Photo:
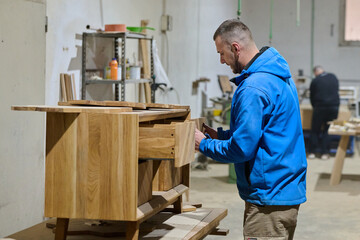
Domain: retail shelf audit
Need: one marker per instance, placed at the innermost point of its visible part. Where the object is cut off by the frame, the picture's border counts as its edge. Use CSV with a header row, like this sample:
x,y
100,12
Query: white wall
x,y
22,76
68,20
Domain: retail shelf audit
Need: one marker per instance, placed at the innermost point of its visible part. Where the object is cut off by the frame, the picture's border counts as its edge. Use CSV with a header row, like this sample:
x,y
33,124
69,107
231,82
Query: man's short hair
x,y
318,68
232,30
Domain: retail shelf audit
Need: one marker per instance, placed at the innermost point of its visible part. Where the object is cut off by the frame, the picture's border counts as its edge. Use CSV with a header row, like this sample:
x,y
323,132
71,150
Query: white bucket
x,y
134,72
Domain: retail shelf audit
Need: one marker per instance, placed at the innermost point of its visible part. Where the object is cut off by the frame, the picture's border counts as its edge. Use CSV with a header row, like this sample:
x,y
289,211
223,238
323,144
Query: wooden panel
x,y
134,105
145,177
184,143
166,106
71,109
166,176
152,115
91,166
199,122
168,141
156,143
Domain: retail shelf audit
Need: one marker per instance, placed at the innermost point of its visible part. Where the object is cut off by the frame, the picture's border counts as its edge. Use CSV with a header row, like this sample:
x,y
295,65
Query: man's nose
x,y
222,61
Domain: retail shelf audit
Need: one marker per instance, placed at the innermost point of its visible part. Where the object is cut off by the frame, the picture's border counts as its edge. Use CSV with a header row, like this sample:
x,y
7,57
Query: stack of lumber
x,y
67,86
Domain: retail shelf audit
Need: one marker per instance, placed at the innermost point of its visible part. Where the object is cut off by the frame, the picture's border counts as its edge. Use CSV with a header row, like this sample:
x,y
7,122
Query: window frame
x,y
342,41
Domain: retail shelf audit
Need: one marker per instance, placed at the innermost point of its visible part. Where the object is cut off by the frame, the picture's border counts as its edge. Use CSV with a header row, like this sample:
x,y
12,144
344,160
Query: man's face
x,y
228,55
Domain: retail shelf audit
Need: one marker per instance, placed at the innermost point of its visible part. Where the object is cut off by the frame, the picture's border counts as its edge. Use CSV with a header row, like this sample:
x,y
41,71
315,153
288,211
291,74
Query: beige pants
x,y
269,222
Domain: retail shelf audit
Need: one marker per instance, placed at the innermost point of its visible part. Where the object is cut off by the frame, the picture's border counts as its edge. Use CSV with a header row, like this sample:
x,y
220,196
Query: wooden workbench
x,y
340,152
115,161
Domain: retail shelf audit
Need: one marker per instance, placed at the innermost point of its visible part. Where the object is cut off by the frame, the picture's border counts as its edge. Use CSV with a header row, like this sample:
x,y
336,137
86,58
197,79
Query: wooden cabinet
x,y
106,162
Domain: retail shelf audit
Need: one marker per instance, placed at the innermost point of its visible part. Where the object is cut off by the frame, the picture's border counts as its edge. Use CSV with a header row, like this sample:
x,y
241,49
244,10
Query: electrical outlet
x,y
166,23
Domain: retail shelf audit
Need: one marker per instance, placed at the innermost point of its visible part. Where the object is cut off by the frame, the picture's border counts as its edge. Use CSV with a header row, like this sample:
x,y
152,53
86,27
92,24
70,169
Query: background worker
x,y
324,98
265,140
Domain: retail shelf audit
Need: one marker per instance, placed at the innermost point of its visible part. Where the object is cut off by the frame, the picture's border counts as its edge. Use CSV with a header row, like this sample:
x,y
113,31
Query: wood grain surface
x,y
145,177
166,176
168,141
134,105
91,166
71,109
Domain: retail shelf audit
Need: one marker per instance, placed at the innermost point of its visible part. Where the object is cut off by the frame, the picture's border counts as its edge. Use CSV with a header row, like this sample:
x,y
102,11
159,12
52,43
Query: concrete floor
x,y
330,213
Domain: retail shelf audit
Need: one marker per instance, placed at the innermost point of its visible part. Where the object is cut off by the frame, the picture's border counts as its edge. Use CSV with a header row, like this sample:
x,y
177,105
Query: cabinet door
x,y
22,70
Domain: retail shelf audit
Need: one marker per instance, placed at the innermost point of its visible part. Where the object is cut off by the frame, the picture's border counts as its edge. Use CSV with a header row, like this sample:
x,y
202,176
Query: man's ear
x,y
235,47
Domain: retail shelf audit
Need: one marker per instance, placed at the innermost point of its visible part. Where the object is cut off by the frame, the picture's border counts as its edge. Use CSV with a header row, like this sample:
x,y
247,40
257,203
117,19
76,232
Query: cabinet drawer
x,y
168,141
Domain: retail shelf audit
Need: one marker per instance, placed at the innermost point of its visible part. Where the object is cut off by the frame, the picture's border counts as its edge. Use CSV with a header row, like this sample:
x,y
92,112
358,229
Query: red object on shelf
x,y
115,28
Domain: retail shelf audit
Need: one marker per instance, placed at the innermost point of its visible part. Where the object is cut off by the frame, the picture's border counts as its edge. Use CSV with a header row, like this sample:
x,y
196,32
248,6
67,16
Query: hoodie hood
x,y
270,61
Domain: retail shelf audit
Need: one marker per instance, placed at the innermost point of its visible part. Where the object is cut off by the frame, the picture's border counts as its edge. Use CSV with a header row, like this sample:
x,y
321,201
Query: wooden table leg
x,y
132,230
339,160
178,205
61,228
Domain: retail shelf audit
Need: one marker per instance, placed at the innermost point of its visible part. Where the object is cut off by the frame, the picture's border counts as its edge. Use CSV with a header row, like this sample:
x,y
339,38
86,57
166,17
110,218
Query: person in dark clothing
x,y
324,98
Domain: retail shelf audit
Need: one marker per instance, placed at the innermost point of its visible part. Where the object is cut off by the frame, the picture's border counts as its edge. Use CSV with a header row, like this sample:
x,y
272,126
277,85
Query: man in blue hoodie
x,y
265,140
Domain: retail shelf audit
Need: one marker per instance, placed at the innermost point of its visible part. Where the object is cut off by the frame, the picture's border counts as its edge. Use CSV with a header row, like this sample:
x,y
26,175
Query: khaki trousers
x,y
269,222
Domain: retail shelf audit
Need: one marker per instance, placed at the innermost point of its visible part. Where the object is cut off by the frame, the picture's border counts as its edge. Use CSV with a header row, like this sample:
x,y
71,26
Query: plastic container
x,y
107,73
134,72
114,69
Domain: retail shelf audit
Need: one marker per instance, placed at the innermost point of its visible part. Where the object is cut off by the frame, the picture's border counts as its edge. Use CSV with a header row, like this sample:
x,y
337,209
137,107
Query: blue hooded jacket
x,y
265,141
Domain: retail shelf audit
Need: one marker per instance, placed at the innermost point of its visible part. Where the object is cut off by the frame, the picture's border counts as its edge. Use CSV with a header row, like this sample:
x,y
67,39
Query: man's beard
x,y
237,68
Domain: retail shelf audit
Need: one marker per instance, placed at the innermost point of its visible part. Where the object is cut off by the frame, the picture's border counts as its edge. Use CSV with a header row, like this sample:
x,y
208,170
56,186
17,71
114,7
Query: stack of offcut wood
x,y
351,126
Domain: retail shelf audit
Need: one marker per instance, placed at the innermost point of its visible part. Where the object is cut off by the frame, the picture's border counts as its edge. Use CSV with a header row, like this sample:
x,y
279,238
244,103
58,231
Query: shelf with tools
x,y
119,45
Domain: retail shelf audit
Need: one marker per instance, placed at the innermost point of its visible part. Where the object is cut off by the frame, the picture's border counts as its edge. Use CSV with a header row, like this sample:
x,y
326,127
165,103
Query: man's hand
x,y
198,137
212,132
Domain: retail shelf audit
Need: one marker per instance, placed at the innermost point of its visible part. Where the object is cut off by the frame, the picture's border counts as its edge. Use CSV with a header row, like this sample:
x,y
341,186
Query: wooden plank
x,y
207,224
145,116
184,143
68,87
63,89
144,52
70,109
339,160
91,166
166,106
73,85
134,105
159,202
